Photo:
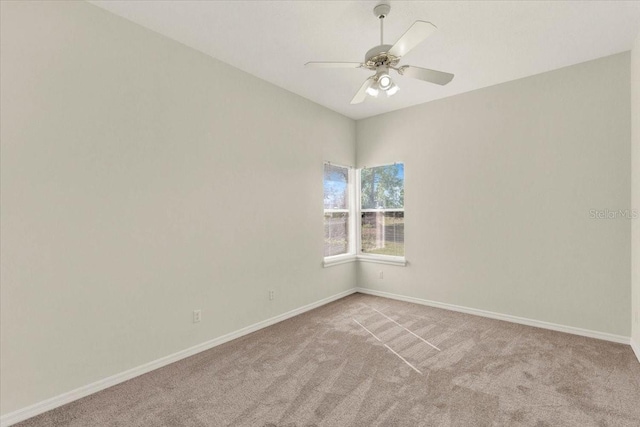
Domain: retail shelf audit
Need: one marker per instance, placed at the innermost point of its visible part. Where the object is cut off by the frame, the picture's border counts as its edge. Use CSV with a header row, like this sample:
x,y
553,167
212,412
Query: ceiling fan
x,y
386,57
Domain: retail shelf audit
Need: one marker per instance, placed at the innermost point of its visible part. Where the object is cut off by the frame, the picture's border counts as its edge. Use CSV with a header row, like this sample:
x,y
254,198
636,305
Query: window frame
x,y
367,257
350,255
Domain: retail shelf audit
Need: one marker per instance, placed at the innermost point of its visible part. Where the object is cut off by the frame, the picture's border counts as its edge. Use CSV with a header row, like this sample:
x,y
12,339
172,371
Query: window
x,y
382,210
336,210
380,233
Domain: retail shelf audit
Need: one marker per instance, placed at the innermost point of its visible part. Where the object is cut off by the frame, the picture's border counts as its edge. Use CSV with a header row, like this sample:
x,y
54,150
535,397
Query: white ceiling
x,y
482,43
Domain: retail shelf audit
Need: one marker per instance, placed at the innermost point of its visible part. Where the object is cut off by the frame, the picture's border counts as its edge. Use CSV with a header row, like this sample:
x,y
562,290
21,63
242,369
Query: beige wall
x,y
142,180
635,191
499,187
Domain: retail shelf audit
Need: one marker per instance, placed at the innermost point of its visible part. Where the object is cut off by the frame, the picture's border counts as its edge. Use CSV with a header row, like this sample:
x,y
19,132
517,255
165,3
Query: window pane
x,y
336,233
382,187
336,187
383,233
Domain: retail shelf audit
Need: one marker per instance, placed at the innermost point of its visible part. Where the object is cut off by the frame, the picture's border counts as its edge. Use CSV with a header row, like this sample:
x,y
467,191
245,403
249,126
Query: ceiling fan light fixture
x,y
385,82
372,91
393,89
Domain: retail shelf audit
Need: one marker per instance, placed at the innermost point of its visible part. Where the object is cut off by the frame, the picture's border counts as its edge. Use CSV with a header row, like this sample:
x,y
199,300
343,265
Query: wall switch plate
x,y
272,295
197,316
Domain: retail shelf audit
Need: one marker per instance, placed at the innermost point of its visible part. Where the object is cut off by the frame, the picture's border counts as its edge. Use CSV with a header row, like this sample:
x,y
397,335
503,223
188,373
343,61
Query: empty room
x,y
319,213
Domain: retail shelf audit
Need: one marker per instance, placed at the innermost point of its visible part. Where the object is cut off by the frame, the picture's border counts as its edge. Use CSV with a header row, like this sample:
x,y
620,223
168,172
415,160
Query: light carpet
x,y
370,361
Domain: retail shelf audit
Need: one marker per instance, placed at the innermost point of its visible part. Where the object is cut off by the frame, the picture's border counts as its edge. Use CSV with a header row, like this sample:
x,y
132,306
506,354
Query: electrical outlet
x,y
381,275
272,295
197,316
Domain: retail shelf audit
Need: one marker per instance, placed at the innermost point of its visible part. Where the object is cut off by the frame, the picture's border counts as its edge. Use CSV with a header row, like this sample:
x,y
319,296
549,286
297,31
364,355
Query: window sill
x,y
344,259
338,259
389,260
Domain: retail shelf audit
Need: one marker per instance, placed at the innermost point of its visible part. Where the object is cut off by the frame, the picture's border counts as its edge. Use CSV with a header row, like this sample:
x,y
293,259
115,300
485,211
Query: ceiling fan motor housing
x,y
378,56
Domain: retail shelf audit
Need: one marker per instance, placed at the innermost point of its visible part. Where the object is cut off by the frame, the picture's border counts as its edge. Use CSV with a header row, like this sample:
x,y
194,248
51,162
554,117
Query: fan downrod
x,y
378,56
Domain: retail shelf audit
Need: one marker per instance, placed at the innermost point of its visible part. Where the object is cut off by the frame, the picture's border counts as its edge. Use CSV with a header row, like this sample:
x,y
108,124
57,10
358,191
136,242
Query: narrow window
x,y
382,210
336,210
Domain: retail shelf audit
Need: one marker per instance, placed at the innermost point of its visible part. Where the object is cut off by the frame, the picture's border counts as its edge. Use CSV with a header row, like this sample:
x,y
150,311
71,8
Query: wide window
x,y
382,210
336,210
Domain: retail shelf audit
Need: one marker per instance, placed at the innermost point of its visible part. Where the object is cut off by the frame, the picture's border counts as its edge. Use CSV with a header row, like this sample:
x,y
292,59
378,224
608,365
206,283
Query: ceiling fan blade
x,y
431,76
362,92
415,35
333,64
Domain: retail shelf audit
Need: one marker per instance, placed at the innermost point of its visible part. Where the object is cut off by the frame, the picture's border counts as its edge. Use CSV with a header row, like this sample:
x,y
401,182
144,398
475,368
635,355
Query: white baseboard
x,y
506,317
62,399
636,348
